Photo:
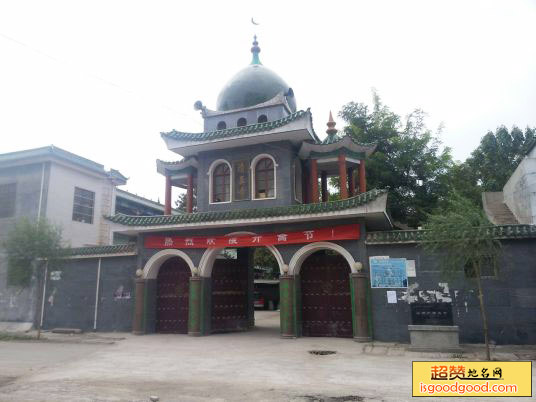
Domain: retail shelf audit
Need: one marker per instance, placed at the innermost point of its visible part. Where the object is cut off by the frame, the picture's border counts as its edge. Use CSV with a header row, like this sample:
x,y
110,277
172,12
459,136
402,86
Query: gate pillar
x,y
199,306
290,306
139,307
358,286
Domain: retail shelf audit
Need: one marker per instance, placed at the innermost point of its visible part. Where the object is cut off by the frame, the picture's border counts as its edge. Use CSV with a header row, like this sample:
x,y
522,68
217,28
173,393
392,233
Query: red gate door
x,y
326,300
229,296
172,286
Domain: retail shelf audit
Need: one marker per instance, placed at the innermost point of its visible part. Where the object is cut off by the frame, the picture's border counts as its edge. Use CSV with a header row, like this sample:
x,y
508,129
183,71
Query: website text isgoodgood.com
x,y
456,387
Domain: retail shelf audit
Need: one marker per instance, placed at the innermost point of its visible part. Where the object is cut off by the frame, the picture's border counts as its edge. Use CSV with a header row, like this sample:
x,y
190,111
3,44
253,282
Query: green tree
x,y
180,203
459,234
464,181
498,155
409,160
28,243
264,259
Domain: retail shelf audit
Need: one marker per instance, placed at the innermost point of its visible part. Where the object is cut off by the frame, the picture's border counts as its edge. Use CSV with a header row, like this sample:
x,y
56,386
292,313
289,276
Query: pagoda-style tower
x,y
255,171
256,112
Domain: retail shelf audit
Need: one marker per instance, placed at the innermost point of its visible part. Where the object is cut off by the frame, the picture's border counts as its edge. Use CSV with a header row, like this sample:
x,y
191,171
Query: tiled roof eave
x,y
104,251
236,131
352,213
300,211
163,167
345,143
500,232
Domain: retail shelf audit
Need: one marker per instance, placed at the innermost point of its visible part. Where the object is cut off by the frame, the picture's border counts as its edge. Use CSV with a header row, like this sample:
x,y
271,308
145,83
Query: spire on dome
x,y
331,126
255,50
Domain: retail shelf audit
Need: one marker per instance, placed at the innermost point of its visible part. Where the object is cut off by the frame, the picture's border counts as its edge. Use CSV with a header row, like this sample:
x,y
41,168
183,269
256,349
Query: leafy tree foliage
x,y
498,155
409,160
26,243
180,203
458,234
264,259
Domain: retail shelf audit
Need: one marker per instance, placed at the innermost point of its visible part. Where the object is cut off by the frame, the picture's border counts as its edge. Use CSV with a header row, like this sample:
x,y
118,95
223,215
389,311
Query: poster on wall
x,y
388,272
410,268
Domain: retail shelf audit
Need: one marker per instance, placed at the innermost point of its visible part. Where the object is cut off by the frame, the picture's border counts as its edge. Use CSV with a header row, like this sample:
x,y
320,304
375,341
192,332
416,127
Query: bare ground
x,y
249,366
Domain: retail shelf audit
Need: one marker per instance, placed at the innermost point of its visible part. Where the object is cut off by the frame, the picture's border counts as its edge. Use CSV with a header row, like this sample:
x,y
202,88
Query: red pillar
x,y
324,181
314,181
167,204
351,182
362,177
190,194
342,176
305,186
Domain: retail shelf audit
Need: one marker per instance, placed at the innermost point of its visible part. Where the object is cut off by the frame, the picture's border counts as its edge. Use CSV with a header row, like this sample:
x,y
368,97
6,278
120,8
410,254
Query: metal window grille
x,y
83,206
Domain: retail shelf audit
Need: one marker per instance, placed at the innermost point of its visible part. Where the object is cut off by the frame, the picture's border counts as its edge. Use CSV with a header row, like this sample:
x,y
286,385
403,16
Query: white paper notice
x,y
410,268
391,296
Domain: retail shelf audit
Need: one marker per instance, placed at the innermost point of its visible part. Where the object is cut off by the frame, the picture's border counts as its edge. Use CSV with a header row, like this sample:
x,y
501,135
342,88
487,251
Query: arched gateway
x,y
172,290
281,204
326,295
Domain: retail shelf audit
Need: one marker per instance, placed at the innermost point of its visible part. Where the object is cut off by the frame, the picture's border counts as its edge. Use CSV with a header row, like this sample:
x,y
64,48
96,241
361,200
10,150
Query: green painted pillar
x,y
195,308
199,306
245,259
360,319
288,292
139,304
149,306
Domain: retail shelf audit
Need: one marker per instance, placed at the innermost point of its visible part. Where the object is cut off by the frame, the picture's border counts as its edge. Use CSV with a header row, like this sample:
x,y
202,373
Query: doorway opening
x,y
266,290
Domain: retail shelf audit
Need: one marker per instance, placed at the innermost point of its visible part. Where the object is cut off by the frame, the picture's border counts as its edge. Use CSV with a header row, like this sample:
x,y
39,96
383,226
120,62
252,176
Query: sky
x,y
102,79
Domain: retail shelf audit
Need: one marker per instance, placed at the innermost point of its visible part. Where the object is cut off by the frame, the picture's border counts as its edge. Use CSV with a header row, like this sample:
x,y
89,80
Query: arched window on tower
x,y
262,119
264,171
241,122
221,125
221,183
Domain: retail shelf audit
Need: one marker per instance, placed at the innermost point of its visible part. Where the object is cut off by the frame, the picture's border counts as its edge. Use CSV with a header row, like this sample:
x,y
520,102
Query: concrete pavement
x,y
255,365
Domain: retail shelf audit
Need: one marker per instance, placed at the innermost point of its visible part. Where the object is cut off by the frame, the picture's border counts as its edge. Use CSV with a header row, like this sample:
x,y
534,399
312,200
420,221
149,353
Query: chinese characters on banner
x,y
343,232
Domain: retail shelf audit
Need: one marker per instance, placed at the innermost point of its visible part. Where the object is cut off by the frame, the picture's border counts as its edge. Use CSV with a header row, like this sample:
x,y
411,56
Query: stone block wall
x,y
510,297
71,292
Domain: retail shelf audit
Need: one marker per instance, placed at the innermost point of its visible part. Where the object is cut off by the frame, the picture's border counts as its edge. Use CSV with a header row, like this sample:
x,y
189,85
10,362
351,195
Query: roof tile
x,y
298,209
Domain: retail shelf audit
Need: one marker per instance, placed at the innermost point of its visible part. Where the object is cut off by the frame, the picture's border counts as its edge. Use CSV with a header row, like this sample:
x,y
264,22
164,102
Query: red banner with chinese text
x,y
343,232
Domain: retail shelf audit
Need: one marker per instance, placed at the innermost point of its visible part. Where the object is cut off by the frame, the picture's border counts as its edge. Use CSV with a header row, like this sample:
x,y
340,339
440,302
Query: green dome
x,y
253,85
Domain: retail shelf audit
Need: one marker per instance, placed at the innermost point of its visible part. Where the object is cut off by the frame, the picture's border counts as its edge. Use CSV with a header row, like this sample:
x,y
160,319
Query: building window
x,y
262,118
221,183
83,206
241,180
487,270
8,193
222,125
264,178
241,122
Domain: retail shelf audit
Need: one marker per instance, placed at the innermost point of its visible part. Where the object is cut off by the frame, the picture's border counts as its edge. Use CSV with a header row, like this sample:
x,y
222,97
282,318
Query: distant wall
x,y
520,190
63,180
510,298
71,293
16,304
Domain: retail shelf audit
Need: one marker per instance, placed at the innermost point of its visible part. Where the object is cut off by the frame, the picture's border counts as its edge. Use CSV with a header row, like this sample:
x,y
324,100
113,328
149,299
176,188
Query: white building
x,y
517,202
68,190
